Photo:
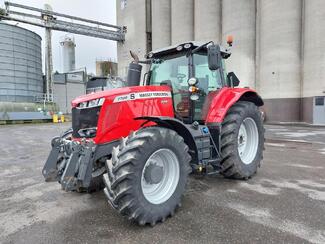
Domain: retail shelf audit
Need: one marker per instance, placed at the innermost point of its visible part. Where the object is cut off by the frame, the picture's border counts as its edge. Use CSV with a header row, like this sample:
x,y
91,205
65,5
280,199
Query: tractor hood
x,y
142,90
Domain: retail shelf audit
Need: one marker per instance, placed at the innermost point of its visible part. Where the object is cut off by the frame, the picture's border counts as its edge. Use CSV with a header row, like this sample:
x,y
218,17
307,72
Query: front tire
x,y
242,141
147,175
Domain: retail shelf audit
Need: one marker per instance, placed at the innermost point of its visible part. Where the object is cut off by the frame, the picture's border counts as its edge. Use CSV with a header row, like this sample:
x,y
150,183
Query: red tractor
x,y
141,142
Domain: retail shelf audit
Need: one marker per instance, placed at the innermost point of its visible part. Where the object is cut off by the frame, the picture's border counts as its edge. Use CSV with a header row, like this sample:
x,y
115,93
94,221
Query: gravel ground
x,y
283,203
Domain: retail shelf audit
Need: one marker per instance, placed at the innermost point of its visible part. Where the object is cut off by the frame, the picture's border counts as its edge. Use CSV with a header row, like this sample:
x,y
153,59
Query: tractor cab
x,y
194,71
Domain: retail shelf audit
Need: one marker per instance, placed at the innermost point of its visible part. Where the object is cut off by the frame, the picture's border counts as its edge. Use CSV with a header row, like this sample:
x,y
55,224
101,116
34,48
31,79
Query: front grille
x,y
84,118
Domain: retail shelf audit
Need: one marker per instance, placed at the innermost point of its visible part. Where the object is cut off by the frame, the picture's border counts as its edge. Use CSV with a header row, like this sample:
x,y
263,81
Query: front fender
x,y
177,126
227,97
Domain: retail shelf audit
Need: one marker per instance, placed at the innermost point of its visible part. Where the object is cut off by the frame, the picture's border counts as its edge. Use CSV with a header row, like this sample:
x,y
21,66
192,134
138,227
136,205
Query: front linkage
x,y
70,163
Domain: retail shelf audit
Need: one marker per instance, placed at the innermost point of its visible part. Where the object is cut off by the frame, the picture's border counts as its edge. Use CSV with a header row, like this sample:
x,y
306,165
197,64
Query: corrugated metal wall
x,y
20,64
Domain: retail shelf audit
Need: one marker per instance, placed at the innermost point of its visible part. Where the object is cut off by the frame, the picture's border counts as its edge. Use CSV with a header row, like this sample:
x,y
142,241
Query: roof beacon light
x,y
230,40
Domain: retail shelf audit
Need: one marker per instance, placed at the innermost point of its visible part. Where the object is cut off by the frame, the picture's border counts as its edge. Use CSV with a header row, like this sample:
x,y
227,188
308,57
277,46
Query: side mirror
x,y
232,79
214,57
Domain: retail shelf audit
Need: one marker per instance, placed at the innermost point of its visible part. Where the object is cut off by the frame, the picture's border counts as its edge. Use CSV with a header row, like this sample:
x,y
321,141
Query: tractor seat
x,y
167,83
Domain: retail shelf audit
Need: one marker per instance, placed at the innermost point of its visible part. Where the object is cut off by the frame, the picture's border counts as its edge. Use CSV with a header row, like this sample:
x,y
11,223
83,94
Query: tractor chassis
x,y
203,141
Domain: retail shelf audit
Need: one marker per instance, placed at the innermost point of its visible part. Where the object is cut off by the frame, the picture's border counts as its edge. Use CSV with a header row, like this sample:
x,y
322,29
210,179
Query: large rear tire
x,y
147,175
242,141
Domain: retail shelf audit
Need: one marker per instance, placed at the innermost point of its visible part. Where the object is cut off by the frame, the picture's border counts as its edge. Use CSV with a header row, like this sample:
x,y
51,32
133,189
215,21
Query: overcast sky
x,y
88,49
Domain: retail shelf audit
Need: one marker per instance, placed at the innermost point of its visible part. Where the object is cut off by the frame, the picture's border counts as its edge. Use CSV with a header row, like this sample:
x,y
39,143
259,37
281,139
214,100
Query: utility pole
x,y
48,57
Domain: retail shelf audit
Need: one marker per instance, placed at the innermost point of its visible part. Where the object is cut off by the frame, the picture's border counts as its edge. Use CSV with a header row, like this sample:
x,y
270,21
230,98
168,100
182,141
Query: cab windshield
x,y
175,70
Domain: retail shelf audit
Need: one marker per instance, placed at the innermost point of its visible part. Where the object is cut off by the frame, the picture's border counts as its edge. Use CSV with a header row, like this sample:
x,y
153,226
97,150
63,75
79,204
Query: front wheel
x,y
147,175
242,141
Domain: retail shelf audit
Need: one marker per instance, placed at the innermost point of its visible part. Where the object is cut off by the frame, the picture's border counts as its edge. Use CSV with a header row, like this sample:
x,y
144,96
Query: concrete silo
x,y
238,20
136,16
207,20
68,54
280,58
20,64
314,62
161,23
182,16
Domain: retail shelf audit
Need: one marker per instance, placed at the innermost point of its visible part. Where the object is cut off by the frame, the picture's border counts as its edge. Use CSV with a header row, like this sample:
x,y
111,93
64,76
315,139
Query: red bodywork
x,y
116,118
218,103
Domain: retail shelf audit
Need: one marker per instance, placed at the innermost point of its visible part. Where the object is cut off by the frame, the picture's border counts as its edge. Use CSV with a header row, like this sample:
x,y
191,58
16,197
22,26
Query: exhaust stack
x,y
134,71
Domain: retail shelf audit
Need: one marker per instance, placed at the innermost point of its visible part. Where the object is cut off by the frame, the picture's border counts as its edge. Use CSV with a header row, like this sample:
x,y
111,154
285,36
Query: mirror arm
x,y
200,47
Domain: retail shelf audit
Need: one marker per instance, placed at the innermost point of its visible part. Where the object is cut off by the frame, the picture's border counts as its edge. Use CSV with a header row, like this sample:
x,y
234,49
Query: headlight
x,y
187,45
83,105
192,81
101,101
92,103
194,97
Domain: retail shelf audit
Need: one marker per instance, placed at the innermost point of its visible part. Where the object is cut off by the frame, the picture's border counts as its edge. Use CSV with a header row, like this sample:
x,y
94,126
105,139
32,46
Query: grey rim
x,y
165,184
247,141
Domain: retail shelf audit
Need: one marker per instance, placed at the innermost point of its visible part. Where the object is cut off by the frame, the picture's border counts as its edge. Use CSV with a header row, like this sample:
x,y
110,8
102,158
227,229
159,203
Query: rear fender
x,y
227,97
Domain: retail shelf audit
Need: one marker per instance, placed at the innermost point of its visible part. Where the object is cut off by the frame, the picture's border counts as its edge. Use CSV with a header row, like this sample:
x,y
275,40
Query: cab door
x,y
208,83
319,110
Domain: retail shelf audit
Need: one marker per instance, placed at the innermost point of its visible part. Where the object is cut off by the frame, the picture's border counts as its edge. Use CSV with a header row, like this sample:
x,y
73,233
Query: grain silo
x,y
161,24
20,64
277,49
280,58
132,14
68,54
238,20
207,20
182,16
314,62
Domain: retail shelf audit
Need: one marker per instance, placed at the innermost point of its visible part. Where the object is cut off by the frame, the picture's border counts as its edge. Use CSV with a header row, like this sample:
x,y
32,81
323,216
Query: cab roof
x,y
173,48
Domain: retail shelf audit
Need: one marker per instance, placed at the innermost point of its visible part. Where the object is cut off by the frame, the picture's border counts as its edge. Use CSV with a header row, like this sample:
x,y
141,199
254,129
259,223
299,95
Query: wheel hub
x,y
160,176
153,174
247,141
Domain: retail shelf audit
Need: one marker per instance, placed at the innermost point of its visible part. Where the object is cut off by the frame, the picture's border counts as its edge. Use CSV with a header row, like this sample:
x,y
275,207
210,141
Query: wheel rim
x,y
160,192
247,141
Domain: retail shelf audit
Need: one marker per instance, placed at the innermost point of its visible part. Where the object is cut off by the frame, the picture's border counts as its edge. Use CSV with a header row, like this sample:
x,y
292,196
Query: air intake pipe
x,y
134,71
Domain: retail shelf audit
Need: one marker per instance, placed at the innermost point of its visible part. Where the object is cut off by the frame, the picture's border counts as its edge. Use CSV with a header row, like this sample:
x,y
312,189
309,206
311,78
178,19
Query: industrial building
x,y
278,45
66,87
106,68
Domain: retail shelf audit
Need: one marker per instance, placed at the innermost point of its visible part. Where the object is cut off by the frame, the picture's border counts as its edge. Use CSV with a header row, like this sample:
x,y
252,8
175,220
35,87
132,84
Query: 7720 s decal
x,y
141,95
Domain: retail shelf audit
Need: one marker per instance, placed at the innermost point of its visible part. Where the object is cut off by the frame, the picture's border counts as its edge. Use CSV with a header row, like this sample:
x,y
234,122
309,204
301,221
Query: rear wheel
x,y
242,141
147,175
